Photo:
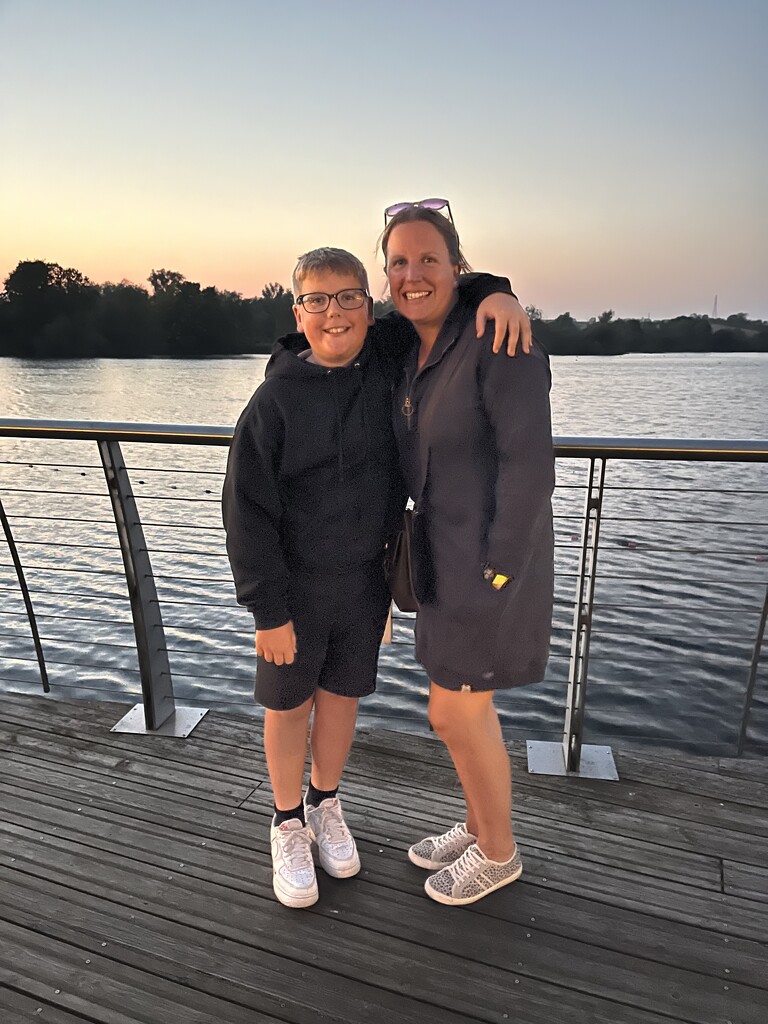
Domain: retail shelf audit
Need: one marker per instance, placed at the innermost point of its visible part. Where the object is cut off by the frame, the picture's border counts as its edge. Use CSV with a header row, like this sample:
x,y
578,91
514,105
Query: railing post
x,y
27,599
159,713
582,618
752,678
573,757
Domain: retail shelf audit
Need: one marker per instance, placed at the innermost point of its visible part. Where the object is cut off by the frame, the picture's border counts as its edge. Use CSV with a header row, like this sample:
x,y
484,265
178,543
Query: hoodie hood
x,y
286,359
343,386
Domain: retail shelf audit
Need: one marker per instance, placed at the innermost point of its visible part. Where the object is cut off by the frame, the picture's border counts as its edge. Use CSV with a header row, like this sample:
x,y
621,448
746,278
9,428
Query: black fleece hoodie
x,y
312,483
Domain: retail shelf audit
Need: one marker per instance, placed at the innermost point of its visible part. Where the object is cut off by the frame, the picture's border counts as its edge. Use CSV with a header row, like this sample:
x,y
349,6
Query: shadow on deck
x,y
135,885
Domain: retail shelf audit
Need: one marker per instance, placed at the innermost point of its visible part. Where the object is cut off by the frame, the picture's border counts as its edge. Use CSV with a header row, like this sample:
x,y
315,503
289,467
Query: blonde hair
x,y
339,261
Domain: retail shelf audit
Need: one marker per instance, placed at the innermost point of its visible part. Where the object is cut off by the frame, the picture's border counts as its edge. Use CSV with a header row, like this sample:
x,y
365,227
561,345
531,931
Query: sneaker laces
x,y
333,825
458,831
468,864
296,847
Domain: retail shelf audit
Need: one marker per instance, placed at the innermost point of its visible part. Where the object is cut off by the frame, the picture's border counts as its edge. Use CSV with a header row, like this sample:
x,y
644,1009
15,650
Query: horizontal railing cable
x,y
64,544
72,618
90,666
685,522
79,571
633,488
91,643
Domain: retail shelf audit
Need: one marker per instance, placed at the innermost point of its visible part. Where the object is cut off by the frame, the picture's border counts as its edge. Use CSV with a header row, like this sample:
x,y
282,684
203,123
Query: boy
x,y
312,493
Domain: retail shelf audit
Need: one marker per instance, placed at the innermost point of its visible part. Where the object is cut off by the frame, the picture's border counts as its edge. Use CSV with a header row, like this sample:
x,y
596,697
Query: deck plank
x,y
19,1008
692,780
642,902
746,880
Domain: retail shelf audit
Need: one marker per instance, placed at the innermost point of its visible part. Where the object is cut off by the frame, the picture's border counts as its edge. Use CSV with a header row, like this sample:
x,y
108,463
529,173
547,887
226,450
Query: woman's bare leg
x,y
469,726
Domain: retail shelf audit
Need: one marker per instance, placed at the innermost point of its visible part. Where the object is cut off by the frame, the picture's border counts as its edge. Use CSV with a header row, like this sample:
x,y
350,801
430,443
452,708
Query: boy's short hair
x,y
338,261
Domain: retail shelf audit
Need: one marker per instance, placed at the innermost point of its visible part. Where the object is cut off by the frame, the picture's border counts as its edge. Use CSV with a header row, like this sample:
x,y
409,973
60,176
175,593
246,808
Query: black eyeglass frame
x,y
423,204
362,292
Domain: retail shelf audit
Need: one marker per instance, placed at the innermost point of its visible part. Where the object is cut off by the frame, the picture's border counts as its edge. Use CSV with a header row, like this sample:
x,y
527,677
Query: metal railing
x,y
159,712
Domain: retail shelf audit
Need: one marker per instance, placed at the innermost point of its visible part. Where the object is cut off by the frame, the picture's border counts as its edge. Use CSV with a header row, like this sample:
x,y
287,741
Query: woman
x,y
475,443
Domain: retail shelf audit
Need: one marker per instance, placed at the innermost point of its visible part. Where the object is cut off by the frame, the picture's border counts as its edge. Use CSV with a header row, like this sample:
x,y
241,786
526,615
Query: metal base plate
x,y
547,759
180,724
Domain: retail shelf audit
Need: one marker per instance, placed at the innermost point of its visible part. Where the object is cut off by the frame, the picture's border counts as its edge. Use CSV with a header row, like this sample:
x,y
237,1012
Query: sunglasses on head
x,y
424,204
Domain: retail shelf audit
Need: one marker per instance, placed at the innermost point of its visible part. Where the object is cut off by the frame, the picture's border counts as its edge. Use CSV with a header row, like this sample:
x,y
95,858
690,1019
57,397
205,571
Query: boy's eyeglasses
x,y
424,204
318,302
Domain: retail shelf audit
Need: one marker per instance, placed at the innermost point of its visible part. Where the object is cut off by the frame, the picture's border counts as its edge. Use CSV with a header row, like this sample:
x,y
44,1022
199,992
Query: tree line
x,y
607,335
51,312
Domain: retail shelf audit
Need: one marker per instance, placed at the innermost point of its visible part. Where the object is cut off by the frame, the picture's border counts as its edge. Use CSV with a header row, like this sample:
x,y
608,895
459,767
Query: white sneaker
x,y
471,877
335,845
437,852
293,870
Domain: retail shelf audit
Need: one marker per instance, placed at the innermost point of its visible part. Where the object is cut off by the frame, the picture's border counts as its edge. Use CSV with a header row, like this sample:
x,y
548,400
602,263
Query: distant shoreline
x,y
49,312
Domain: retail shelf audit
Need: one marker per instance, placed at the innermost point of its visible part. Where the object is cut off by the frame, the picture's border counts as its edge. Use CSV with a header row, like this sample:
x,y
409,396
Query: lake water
x,y
683,561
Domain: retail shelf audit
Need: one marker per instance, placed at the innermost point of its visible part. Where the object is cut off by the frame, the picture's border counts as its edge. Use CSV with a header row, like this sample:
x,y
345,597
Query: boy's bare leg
x,y
285,748
333,727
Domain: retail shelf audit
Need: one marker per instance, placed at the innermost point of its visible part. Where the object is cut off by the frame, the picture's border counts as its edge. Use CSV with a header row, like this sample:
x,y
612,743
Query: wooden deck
x,y
136,886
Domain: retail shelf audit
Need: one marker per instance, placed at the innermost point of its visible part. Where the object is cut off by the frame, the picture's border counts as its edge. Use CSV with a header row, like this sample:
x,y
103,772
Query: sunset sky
x,y
601,153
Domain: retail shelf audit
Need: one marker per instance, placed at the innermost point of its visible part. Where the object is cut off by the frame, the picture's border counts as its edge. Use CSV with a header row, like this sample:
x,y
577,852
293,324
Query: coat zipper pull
x,y
407,411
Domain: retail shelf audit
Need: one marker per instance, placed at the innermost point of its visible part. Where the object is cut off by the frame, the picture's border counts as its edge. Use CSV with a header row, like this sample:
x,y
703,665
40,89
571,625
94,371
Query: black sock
x,y
316,796
297,812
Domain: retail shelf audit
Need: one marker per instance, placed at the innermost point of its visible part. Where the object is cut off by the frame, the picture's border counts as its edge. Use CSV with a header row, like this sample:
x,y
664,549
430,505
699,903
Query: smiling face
x,y
422,279
337,335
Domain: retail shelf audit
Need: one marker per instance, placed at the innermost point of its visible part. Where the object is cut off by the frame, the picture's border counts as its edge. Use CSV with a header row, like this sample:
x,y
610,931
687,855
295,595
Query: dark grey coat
x,y
478,460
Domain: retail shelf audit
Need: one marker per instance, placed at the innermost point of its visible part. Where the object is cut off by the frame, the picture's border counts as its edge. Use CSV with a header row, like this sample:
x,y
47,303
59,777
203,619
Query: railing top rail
x,y
93,430
686,448
664,448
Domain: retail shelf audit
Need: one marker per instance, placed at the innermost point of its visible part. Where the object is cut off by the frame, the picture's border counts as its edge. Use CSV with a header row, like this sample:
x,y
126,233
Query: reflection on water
x,y
682,560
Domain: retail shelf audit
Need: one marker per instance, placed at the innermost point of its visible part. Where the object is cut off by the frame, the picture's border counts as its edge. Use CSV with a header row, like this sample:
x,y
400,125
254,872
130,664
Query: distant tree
x,y
28,281
34,281
71,281
47,309
273,314
601,337
684,334
165,281
738,320
630,335
565,322
561,336
274,292
605,317
194,321
126,320
534,313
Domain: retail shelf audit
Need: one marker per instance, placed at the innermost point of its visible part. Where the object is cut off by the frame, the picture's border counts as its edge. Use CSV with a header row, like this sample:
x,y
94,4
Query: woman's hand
x,y
277,645
511,320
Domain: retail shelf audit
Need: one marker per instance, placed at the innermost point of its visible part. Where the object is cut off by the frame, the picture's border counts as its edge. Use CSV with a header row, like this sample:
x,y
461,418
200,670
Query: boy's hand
x,y
277,645
511,322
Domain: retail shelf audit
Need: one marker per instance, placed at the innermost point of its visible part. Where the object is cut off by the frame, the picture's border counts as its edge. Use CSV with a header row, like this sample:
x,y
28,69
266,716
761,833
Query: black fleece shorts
x,y
339,622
